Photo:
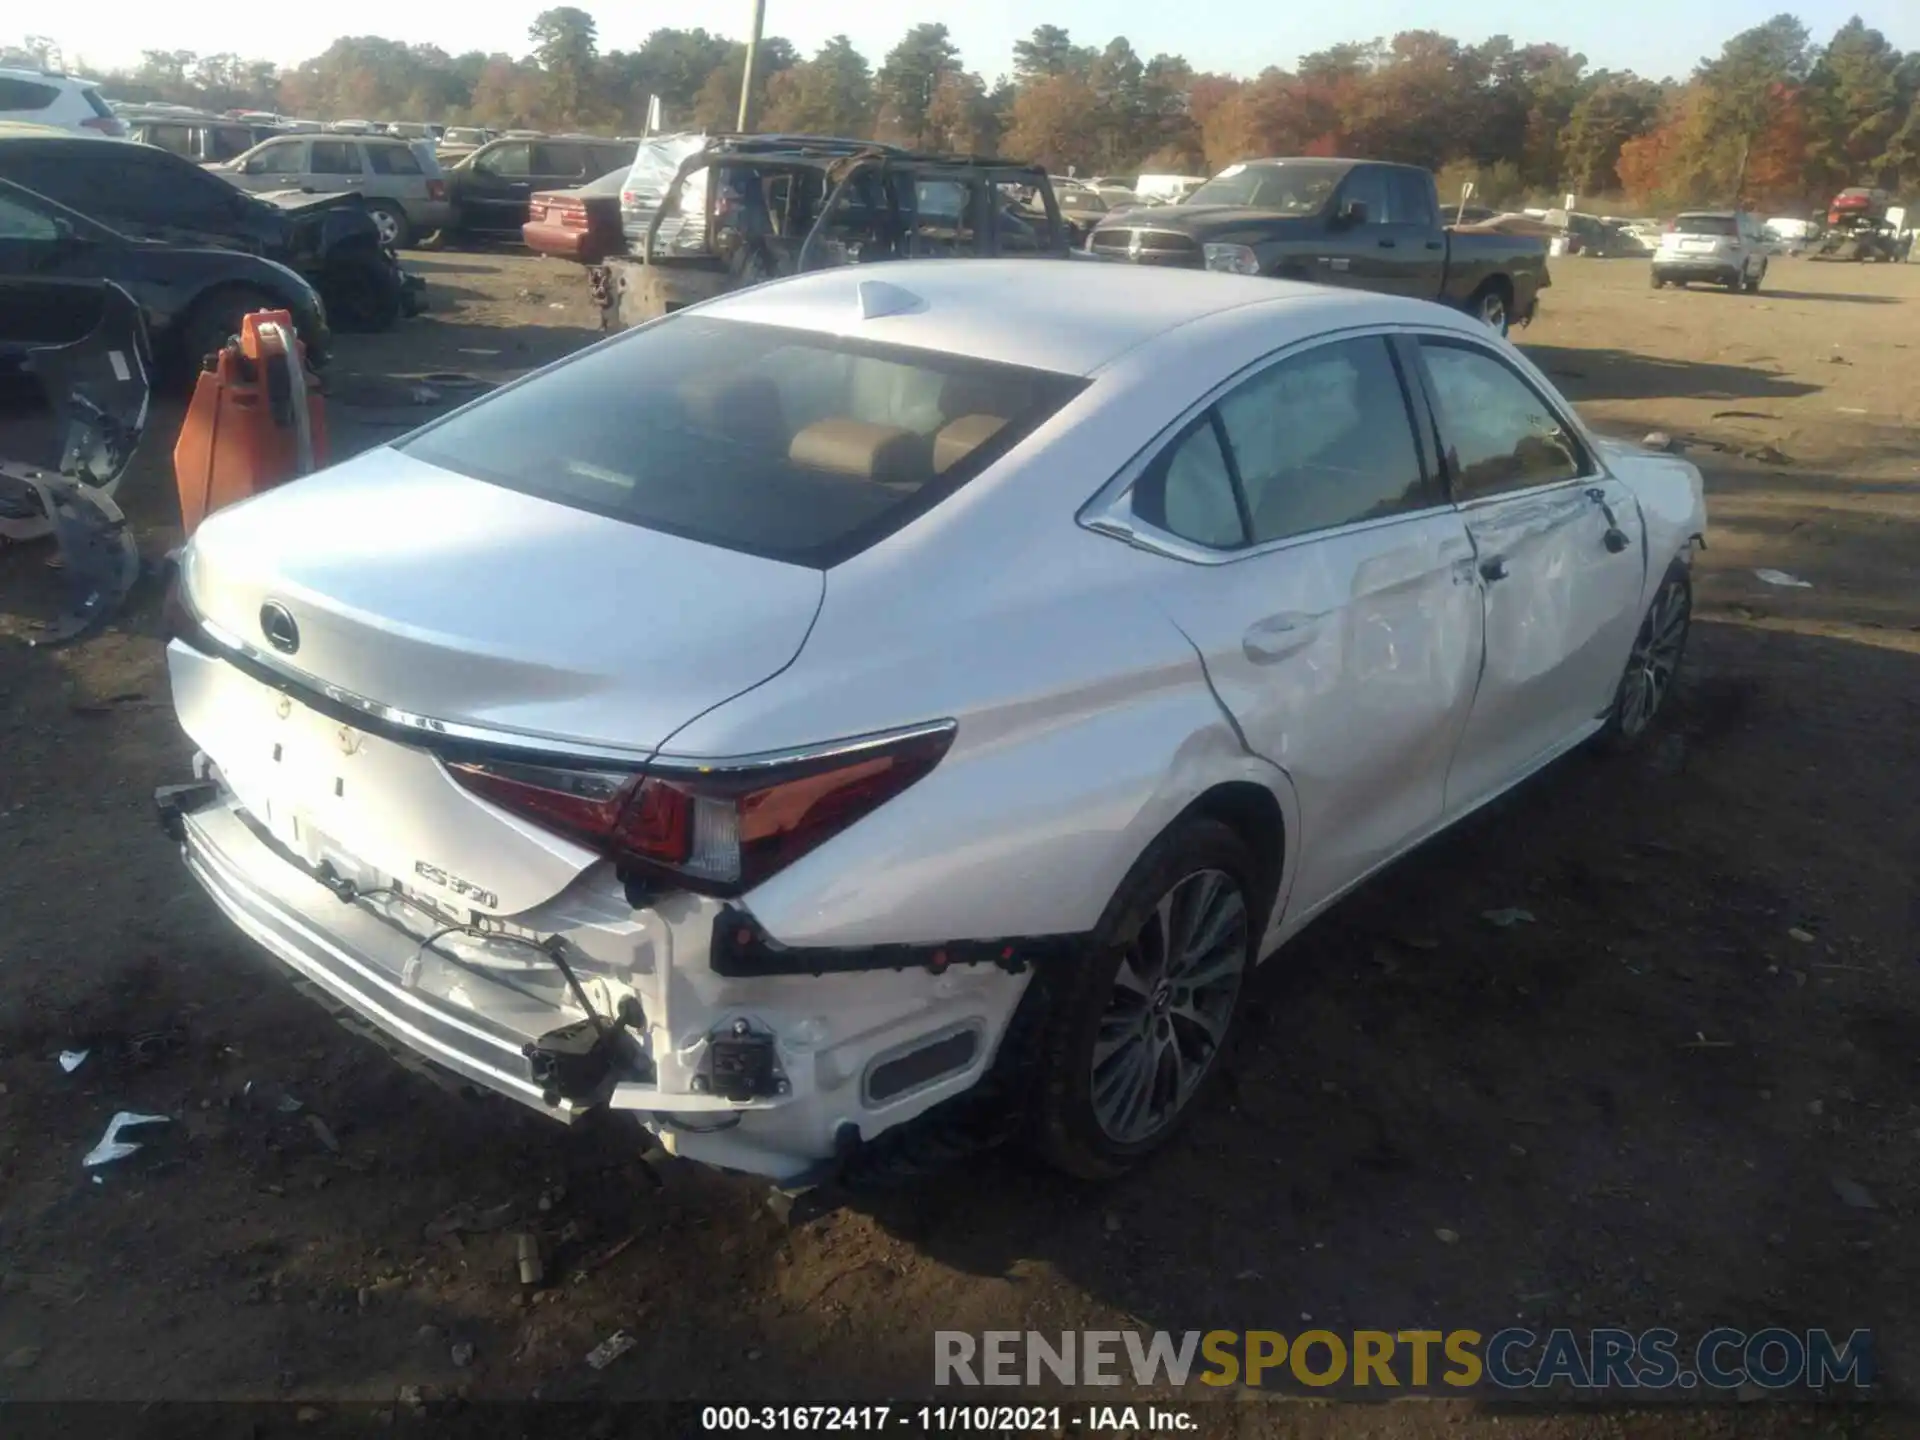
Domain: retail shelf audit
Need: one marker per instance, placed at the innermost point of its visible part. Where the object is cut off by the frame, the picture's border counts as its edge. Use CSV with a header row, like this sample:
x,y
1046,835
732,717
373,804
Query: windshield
x,y
787,444
1705,225
1290,189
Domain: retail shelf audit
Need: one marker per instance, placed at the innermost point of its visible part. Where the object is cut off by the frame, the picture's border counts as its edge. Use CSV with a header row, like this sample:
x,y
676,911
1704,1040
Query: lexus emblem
x,y
276,623
1133,246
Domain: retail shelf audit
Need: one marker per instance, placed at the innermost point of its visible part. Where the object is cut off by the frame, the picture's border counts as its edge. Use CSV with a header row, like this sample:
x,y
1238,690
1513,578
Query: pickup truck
x,y
1363,223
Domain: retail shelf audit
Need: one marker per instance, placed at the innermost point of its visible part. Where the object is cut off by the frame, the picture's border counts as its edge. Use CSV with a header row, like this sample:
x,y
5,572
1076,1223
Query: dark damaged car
x,y
151,194
743,209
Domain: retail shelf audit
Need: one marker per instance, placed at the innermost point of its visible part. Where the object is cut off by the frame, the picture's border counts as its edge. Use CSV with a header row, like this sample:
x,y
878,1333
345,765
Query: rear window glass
x,y
1704,225
782,443
392,160
1291,188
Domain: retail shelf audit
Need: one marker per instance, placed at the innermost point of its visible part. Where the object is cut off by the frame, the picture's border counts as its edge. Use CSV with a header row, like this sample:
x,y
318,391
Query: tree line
x,y
1774,120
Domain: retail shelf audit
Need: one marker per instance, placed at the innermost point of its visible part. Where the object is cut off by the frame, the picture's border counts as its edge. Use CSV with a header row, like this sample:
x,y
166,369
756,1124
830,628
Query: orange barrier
x,y
243,431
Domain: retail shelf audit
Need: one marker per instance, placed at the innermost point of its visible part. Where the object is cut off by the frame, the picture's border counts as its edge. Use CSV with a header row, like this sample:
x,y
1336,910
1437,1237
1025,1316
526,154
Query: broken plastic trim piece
x,y
99,561
741,950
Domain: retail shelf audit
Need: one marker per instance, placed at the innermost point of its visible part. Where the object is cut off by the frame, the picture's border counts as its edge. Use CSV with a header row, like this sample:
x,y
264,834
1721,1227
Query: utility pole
x,y
746,79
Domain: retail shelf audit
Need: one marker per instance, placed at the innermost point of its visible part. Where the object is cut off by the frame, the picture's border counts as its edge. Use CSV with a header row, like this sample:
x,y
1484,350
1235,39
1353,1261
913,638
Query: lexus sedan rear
x,y
852,704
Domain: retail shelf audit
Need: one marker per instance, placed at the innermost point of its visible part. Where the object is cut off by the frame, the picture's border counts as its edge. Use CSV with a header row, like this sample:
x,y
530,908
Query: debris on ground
x,y
526,1252
462,1354
1507,918
265,1095
323,1133
611,1349
72,1060
1446,1236
1805,937
25,1358
423,394
466,1218
1853,1194
111,1146
1659,440
1783,579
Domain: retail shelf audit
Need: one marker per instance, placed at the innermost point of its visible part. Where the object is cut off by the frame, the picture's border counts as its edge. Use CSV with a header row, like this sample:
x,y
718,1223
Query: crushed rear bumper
x,y
842,1056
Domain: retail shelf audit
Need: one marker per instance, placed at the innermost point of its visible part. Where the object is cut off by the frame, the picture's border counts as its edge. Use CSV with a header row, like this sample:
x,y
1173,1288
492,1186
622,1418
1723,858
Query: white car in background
x,y
1720,247
853,695
45,97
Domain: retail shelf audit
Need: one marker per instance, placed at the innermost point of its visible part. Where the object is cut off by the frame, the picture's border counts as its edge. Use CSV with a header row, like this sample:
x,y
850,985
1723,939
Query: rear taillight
x,y
721,830
436,189
105,124
573,217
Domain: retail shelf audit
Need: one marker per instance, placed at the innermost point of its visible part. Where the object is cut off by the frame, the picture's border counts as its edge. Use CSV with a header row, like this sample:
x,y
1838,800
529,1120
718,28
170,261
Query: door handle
x,y
1388,244
1277,637
1494,568
1434,245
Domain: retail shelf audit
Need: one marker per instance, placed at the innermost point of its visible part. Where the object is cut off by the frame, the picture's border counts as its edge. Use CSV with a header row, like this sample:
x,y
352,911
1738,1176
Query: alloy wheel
x,y
1493,311
1172,1000
1655,658
387,225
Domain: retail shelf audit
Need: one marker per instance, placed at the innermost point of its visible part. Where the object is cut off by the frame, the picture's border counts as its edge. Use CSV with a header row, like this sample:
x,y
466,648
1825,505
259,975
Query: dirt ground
x,y
1684,1095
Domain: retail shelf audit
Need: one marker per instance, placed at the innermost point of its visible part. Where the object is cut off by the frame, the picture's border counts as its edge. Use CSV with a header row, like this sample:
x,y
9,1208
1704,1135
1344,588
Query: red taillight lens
x,y
436,189
573,217
720,830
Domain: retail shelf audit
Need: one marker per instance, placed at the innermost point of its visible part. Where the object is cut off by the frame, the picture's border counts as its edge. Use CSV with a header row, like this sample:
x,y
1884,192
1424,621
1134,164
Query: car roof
x,y
1710,214
1069,316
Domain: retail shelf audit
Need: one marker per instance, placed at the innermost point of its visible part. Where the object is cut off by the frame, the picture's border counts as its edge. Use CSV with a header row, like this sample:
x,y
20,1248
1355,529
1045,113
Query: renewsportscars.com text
x,y
1444,1360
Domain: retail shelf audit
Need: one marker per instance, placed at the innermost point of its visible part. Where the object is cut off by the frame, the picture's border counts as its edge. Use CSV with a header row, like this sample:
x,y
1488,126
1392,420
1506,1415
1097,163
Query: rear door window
x,y
176,139
511,161
336,157
560,161
787,444
1412,200
283,157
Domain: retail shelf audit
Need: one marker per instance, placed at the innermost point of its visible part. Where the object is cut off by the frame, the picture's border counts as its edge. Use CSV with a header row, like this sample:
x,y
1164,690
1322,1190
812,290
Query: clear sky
x,y
1654,37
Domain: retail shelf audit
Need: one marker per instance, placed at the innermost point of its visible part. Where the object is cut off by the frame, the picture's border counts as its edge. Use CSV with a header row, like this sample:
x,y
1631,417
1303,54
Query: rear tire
x,y
1658,283
1489,305
1135,1031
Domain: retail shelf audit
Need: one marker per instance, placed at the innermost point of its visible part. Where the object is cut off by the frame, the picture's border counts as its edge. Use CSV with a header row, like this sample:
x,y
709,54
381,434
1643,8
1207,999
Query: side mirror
x,y
1353,212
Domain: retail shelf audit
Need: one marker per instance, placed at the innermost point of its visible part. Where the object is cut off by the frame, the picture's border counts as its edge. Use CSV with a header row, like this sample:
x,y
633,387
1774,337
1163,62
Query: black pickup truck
x,y
1361,223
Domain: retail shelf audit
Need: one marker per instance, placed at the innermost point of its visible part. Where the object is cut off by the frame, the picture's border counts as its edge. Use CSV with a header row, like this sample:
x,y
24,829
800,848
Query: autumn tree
x,y
717,106
1854,106
1052,122
831,94
1047,52
910,81
1615,109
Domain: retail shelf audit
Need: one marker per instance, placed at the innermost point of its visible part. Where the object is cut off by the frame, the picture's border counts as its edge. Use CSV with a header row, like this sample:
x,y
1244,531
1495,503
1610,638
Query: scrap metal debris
x,y
72,1060
611,1349
1783,579
111,1146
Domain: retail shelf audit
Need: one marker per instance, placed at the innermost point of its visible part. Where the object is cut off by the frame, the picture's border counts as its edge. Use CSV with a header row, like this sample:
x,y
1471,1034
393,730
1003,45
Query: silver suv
x,y
405,189
1723,247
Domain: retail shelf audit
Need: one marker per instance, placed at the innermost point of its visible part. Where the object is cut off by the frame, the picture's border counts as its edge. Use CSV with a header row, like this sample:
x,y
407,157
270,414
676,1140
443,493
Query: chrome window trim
x,y
1110,511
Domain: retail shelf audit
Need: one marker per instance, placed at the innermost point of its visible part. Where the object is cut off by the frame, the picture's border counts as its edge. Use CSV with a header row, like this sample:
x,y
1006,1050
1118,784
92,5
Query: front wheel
x,y
1653,663
1135,1033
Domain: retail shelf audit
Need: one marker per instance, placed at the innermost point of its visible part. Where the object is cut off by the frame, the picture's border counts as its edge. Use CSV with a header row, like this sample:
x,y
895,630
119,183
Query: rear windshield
x,y
786,444
1292,189
95,103
1705,225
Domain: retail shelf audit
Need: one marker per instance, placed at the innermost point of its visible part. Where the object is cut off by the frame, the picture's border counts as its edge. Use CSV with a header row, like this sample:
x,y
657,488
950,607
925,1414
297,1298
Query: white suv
x,y
1725,247
45,97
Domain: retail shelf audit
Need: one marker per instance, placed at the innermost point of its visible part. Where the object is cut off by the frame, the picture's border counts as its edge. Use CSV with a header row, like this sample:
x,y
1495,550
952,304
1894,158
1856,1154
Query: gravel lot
x,y
1685,1094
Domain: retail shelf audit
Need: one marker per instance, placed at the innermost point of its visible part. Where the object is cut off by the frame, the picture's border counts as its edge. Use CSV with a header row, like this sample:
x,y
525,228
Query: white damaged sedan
x,y
856,700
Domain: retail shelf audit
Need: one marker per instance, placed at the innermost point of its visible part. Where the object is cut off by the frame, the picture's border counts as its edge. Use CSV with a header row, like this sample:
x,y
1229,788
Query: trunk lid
x,y
466,602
